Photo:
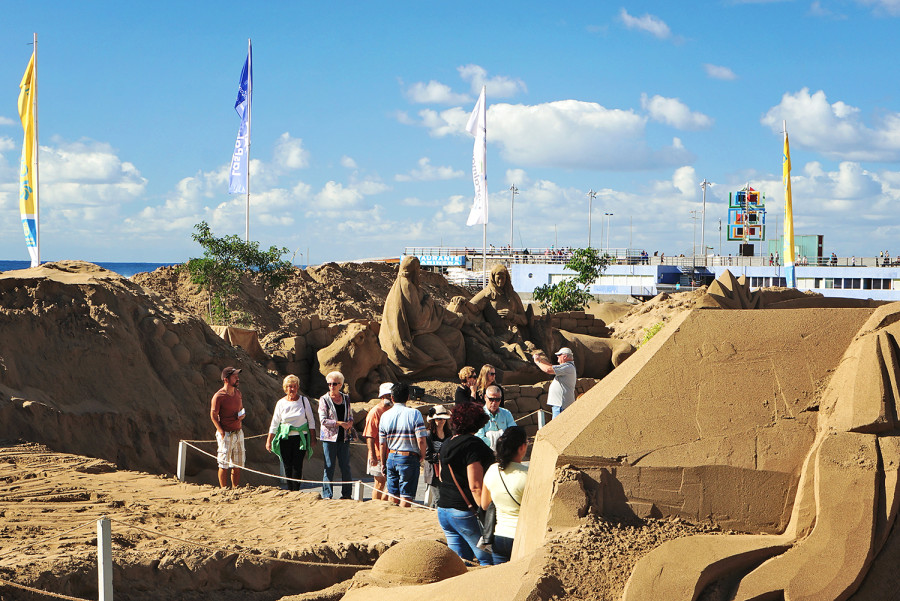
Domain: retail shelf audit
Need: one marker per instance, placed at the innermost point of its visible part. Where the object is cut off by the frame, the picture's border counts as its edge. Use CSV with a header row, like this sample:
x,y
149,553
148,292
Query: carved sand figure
x,y
421,337
840,542
500,303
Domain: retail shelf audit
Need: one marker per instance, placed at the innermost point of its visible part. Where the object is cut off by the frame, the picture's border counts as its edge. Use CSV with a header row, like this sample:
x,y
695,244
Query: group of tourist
x,y
470,456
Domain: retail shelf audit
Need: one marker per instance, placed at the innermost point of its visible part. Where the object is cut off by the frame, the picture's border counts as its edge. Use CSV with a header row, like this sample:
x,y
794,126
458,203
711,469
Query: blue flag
x,y
240,160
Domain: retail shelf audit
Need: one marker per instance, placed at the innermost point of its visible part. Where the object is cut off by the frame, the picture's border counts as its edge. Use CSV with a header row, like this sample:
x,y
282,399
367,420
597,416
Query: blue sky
x,y
359,146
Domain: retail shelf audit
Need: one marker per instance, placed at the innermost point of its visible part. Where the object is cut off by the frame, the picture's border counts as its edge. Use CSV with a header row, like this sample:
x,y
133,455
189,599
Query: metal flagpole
x,y
704,184
249,125
37,152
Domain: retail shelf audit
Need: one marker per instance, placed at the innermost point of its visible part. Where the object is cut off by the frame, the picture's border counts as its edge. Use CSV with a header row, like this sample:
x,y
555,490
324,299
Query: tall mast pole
x,y
512,203
249,125
591,196
37,196
704,184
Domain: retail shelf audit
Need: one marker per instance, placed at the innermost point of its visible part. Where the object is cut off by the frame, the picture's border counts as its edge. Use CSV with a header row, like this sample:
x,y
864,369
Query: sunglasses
x,y
492,373
334,384
494,399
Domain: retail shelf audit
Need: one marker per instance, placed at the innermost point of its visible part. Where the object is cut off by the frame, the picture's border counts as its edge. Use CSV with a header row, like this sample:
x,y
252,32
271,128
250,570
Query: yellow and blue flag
x,y
790,276
27,189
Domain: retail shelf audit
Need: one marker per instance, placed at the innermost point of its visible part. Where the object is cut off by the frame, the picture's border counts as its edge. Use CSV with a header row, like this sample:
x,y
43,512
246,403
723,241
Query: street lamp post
x,y
512,203
591,196
694,243
704,184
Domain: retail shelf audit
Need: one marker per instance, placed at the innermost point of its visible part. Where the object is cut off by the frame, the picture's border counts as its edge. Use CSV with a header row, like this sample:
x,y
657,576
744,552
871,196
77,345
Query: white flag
x,y
477,126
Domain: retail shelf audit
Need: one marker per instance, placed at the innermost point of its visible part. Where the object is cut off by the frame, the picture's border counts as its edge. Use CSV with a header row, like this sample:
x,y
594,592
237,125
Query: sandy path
x,y
44,494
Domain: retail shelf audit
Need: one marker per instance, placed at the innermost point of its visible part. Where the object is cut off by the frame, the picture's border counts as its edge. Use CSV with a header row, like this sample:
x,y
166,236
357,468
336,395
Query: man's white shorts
x,y
230,451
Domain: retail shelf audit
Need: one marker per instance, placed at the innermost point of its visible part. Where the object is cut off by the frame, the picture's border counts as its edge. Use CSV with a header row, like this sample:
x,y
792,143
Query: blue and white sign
x,y
442,260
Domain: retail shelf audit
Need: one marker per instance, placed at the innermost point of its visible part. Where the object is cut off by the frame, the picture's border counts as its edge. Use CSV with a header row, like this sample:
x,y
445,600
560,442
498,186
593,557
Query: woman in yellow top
x,y
504,484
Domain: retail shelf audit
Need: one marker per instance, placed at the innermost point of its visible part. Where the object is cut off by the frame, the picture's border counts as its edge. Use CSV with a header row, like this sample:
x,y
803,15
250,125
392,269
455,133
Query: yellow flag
x,y
27,191
788,214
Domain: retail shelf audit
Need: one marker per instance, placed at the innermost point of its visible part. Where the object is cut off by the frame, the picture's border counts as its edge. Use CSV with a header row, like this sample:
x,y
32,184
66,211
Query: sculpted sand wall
x,y
709,420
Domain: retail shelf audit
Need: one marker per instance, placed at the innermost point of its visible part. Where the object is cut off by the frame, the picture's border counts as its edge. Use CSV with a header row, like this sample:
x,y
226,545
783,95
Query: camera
x,y
416,393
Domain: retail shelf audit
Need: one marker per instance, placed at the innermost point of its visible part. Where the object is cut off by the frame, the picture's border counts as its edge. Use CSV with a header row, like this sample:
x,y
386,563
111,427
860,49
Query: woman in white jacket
x,y
292,433
336,418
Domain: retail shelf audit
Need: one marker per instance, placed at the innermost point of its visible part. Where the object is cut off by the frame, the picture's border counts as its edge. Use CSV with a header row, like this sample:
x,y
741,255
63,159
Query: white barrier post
x,y
104,559
182,460
542,420
358,490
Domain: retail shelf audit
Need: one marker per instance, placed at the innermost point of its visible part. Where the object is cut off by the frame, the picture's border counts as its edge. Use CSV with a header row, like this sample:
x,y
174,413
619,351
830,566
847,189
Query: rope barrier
x,y
46,538
40,592
332,482
242,553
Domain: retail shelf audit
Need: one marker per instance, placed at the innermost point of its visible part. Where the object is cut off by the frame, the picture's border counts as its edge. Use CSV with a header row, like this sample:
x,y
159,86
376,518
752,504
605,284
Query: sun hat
x,y
565,351
385,389
440,412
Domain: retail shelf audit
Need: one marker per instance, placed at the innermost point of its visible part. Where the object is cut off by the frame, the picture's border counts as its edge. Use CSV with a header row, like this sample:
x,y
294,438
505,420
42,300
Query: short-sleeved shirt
x,y
505,497
496,423
373,420
399,428
228,406
457,454
562,389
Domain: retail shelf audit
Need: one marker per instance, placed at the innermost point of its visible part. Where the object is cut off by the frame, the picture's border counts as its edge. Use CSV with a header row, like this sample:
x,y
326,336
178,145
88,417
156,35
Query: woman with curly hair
x,y
463,460
466,391
487,377
504,484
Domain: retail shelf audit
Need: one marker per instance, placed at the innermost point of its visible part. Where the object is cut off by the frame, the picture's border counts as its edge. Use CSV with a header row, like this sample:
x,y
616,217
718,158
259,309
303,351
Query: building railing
x,y
631,256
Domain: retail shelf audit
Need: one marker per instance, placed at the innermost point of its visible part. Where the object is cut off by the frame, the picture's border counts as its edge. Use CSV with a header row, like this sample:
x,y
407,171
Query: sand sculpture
x,y
143,371
356,354
420,336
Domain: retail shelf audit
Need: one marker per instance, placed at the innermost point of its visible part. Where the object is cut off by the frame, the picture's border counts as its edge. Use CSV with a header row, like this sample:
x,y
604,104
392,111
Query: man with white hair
x,y
373,419
561,393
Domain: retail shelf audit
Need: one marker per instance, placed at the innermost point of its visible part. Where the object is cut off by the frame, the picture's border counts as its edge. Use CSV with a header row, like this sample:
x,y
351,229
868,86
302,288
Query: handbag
x,y
486,518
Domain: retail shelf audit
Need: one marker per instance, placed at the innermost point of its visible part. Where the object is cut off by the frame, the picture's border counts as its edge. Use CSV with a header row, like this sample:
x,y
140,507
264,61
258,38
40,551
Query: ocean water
x,y
124,269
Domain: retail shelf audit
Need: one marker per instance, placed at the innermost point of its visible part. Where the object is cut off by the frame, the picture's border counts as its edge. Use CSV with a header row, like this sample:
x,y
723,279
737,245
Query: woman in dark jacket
x,y
438,433
464,459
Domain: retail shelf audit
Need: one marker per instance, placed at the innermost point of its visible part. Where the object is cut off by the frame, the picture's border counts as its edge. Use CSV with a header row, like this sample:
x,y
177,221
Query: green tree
x,y
571,294
225,261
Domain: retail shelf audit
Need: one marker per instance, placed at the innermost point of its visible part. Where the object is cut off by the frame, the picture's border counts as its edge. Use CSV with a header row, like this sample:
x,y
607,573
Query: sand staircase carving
x,y
840,542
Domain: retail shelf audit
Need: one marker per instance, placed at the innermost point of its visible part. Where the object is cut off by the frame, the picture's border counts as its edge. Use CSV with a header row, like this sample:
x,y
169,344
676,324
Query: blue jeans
x,y
501,549
556,411
402,475
337,453
462,533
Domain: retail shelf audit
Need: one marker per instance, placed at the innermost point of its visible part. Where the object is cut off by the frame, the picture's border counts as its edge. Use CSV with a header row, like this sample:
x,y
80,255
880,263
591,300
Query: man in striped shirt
x,y
401,435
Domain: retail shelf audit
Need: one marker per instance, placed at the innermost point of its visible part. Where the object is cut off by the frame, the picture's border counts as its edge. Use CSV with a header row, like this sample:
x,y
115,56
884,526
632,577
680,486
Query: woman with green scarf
x,y
292,433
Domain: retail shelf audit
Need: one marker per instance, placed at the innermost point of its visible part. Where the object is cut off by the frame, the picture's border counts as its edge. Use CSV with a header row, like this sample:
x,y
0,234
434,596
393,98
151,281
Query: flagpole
x,y
249,125
484,229
37,194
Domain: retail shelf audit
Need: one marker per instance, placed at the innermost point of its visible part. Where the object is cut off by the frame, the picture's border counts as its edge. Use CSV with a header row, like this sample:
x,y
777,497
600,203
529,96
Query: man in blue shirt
x,y
401,434
499,419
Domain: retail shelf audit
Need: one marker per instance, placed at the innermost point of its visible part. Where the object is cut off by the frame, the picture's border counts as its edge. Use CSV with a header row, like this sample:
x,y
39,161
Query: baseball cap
x,y
564,351
385,389
229,371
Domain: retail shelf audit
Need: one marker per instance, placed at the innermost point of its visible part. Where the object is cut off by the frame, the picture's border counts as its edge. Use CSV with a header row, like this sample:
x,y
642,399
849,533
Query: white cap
x,y
385,389
565,351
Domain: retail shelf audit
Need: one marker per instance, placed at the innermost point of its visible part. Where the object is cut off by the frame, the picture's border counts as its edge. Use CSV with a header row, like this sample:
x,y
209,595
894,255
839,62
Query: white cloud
x,y
451,121
457,204
835,130
675,113
348,162
888,7
719,72
289,152
499,86
568,134
6,144
428,173
517,177
6,121
334,196
434,92
576,134
649,23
